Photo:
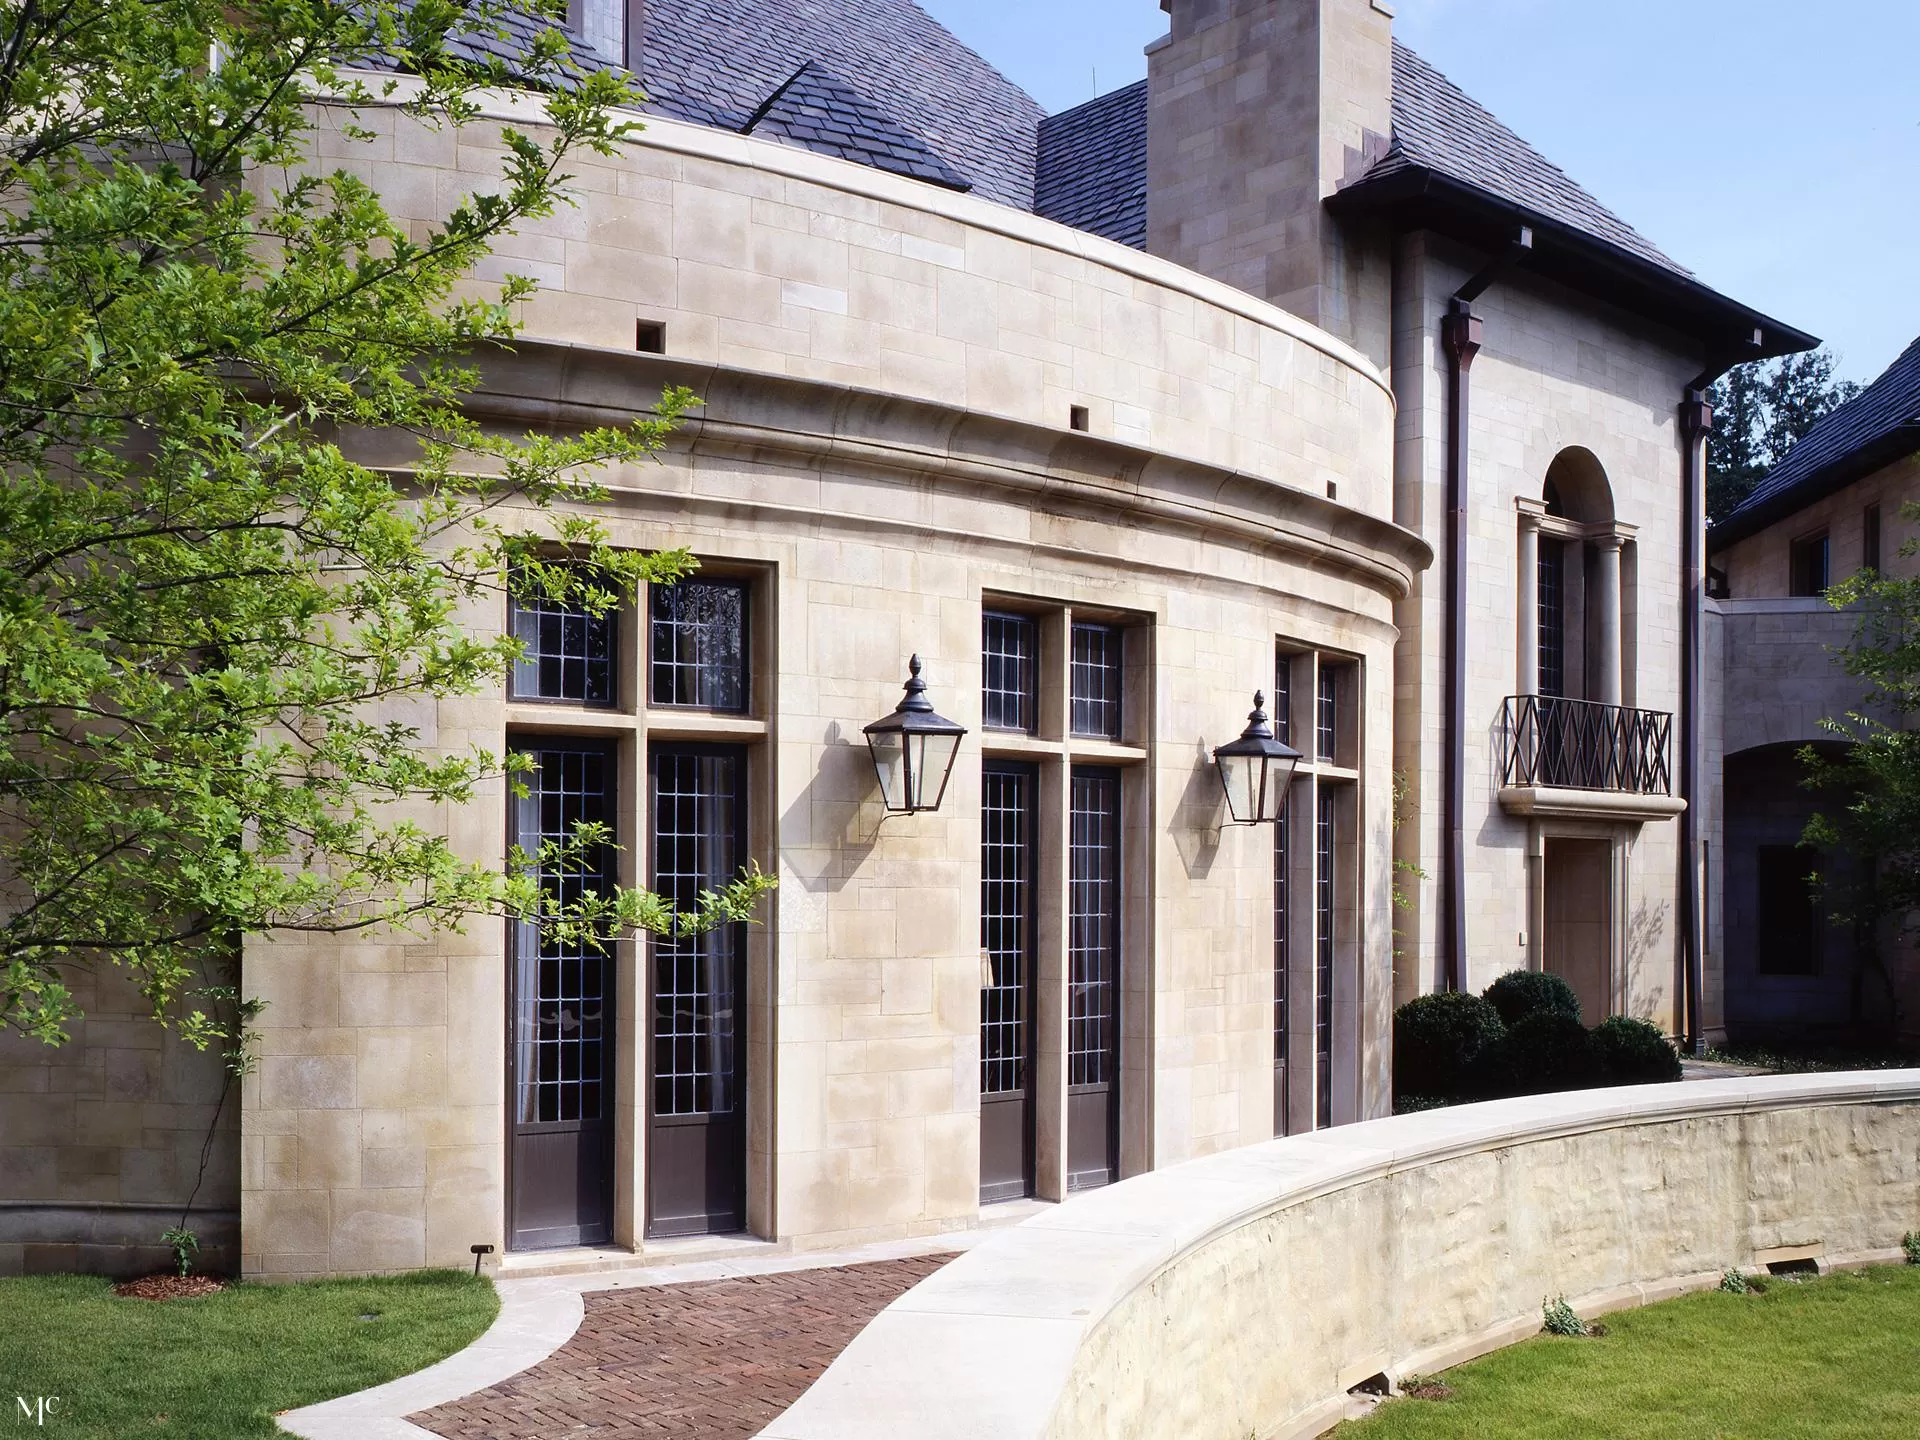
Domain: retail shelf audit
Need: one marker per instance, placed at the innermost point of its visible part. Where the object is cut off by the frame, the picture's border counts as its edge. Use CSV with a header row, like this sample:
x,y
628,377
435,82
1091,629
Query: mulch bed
x,y
170,1287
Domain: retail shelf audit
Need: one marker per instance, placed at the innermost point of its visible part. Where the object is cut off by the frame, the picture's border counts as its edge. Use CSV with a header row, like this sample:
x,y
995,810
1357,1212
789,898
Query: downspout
x,y
1696,425
1461,334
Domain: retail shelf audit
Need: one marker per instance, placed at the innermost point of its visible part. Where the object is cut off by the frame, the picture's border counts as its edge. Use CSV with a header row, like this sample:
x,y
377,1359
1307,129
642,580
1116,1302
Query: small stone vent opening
x,y
1080,418
1805,1266
1377,1385
650,337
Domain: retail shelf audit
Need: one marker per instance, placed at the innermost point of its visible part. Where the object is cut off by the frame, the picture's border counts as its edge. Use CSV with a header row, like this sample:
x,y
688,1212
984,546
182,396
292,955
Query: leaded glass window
x,y
698,653
562,987
1006,925
1093,929
1282,895
1326,716
1009,654
567,651
1323,959
1553,616
697,1007
1283,699
1094,682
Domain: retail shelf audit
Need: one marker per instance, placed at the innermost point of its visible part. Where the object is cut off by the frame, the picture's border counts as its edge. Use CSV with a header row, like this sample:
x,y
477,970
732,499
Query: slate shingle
x,y
1093,167
1093,161
716,62
1438,126
817,110
1881,421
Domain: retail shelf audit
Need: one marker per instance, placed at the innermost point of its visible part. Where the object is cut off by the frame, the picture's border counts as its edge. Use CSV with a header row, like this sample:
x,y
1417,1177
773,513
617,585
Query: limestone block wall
x,y
102,1141
1781,673
872,527
1557,372
1246,1293
764,257
1760,566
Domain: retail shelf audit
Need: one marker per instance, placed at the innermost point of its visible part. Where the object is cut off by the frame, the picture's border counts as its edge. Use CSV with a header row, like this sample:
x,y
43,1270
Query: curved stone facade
x,y
1246,1294
886,451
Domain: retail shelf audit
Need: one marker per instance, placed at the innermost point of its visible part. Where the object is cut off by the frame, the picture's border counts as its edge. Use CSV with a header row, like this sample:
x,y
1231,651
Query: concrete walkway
x,y
696,1349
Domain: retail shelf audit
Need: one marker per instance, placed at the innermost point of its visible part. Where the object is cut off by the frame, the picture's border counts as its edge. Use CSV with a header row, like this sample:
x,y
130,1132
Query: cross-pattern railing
x,y
1578,745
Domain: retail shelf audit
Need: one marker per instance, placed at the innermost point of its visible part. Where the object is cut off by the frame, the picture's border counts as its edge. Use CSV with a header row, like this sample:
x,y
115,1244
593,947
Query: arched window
x,y
1575,586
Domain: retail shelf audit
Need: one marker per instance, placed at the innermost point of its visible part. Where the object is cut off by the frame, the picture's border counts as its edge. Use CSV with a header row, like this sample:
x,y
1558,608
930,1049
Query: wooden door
x,y
697,1036
1579,930
1093,978
560,1051
1006,999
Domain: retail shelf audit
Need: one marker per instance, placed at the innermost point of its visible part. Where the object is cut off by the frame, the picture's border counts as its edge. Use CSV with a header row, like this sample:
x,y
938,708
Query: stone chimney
x,y
1259,110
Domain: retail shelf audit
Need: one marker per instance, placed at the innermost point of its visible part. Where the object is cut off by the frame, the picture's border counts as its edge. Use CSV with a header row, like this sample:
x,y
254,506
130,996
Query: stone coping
x,y
1127,1305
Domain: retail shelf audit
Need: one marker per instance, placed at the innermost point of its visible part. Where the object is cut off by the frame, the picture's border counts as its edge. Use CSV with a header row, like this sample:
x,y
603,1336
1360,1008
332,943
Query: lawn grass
x,y
219,1368
1834,1358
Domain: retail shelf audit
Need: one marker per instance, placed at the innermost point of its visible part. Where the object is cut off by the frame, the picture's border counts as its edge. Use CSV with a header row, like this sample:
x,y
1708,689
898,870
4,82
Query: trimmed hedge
x,y
1544,1052
1633,1052
1441,1043
1520,993
1523,1037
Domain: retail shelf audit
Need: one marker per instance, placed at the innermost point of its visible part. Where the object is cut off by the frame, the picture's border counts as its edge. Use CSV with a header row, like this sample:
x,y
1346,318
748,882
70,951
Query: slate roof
x,y
1438,126
1093,161
1878,426
716,62
1093,167
817,110
882,83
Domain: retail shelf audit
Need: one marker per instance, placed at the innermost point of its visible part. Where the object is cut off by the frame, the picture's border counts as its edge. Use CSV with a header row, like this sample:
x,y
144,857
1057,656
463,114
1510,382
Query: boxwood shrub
x,y
1441,1044
1520,993
1633,1052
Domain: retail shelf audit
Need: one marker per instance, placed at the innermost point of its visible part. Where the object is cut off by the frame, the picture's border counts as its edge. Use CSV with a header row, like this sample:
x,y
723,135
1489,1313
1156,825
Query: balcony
x,y
1578,759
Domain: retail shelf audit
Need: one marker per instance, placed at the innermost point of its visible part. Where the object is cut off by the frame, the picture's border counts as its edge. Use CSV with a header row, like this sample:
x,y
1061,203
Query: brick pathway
x,y
716,1360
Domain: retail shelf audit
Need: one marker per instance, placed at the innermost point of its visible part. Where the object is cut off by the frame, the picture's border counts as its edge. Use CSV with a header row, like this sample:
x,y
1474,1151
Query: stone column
x,y
1606,601
1526,594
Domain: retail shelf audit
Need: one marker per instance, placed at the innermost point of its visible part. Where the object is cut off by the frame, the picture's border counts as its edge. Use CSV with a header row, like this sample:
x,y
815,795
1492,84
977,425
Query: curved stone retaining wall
x,y
1244,1294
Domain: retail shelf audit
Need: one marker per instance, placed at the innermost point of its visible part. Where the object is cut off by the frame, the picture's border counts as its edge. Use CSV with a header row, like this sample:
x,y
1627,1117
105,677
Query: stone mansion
x,y
1288,370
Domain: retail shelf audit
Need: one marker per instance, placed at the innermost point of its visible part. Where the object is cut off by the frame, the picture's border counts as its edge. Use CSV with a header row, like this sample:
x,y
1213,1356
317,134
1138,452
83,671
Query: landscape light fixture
x,y
914,750
1256,770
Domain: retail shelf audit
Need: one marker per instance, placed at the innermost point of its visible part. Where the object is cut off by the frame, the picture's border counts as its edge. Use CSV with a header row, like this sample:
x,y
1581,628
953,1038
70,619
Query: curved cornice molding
x,y
754,416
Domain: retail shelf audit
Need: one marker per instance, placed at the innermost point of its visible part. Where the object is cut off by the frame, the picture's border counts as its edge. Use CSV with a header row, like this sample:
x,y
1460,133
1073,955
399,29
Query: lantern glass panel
x,y
1240,774
890,761
932,763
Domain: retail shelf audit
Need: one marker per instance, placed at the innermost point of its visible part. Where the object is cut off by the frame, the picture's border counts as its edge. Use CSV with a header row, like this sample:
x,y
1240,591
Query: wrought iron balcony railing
x,y
1578,745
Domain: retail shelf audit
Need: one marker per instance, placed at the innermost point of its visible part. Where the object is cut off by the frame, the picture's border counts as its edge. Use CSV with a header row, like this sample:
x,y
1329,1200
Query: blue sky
x,y
1771,146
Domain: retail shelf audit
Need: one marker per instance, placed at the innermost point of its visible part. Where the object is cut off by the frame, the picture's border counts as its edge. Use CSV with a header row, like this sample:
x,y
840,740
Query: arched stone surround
x,y
1244,1294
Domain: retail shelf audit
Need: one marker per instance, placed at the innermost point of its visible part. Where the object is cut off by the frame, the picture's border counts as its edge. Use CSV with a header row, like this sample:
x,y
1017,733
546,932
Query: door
x,y
697,1130
1093,978
560,1160
1579,938
1006,999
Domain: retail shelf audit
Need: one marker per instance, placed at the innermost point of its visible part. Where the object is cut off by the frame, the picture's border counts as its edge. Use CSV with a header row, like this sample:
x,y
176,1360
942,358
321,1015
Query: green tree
x,y
1876,774
1760,412
206,605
